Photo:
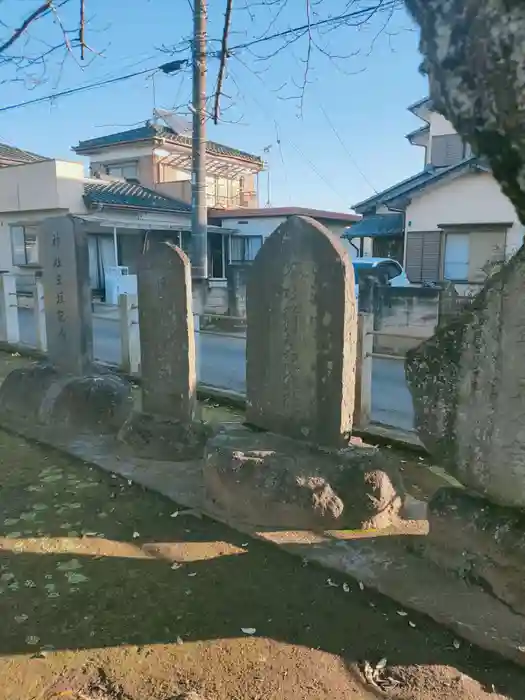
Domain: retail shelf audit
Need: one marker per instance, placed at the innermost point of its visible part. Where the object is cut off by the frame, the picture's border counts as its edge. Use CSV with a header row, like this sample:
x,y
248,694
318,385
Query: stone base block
x,y
267,480
41,395
480,541
159,438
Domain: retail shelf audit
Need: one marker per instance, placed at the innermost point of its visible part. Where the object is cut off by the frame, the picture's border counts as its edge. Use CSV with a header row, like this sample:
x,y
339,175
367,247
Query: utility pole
x,y
199,214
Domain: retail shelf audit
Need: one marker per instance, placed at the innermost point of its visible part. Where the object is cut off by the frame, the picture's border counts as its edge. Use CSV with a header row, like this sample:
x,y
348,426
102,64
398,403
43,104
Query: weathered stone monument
x,y
67,294
169,380
301,335
301,345
166,428
68,393
467,386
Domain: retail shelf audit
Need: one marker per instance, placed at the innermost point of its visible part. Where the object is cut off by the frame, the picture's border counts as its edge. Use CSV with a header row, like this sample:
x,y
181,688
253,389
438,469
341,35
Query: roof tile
x,y
17,155
128,194
151,131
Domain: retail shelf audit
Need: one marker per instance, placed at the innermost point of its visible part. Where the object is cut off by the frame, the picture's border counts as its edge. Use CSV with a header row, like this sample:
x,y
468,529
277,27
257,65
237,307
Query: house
x,y
160,159
449,221
253,226
9,155
118,216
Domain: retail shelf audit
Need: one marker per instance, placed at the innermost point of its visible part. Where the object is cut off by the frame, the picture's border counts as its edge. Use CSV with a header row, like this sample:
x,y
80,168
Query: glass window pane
x,y
31,241
253,245
18,245
237,248
457,255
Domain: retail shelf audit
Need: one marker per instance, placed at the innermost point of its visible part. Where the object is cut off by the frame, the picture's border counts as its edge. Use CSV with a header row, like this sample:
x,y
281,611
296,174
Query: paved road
x,y
222,364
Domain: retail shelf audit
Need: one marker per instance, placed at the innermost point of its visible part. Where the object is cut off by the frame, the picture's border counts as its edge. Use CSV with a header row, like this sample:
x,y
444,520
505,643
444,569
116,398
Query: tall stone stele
x,y
68,394
301,335
166,428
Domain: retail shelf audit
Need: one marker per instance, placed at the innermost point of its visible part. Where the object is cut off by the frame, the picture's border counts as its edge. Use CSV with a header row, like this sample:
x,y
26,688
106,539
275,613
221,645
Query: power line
x,y
166,68
345,147
390,4
312,165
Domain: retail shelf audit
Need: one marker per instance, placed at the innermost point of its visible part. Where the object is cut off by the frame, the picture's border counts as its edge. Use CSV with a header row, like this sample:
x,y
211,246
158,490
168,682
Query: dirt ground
x,y
110,592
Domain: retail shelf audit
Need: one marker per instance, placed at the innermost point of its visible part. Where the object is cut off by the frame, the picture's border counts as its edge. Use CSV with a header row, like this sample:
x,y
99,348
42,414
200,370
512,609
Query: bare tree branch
x,y
223,59
41,10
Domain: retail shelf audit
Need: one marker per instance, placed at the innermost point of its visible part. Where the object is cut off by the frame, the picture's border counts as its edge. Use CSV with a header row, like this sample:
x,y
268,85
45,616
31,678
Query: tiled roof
x,y
157,131
17,155
377,226
127,194
416,182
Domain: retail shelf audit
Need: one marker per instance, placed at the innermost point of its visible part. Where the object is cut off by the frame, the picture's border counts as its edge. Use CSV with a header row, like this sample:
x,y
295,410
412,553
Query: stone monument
x,y
301,335
166,428
68,393
301,352
467,386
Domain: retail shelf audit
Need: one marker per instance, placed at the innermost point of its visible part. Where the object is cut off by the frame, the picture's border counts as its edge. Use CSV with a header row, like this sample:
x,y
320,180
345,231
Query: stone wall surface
x,y
467,382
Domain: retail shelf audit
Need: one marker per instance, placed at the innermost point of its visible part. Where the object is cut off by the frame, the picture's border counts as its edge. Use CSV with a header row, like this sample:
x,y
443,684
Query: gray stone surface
x,y
269,480
301,335
160,438
467,388
167,341
480,541
63,251
40,395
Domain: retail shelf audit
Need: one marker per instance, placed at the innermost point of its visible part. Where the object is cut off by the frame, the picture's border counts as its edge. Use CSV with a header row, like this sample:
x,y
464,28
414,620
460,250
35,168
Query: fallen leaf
x,y
174,514
361,585
248,630
176,566
32,640
402,613
346,588
412,624
136,535
331,583
456,643
381,664
193,573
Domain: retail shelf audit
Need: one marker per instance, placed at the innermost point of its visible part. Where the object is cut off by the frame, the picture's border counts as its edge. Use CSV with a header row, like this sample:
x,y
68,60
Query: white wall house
x,y
455,220
117,214
253,226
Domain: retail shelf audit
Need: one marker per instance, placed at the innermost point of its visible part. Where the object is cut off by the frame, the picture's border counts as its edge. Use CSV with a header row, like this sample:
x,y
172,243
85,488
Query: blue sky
x,y
346,137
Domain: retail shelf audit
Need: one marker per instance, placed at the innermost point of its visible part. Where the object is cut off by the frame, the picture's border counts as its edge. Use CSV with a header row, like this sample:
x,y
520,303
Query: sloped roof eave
x,y
406,190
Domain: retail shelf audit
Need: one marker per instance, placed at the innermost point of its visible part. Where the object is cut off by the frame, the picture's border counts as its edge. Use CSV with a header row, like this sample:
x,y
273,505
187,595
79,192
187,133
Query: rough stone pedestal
x,y
479,541
156,437
40,395
263,479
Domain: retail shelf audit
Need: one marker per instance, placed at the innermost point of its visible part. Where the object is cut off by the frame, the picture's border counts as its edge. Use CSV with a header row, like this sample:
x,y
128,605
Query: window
x,y
24,243
128,171
244,248
216,256
457,256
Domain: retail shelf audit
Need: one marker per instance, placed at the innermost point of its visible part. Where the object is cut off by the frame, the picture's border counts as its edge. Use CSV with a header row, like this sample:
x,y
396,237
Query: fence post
x,y
40,316
129,333
363,375
197,331
9,326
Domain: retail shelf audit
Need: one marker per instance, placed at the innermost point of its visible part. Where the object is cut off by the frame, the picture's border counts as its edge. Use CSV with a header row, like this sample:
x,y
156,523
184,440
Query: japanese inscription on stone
x,y
67,294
